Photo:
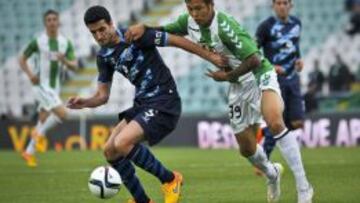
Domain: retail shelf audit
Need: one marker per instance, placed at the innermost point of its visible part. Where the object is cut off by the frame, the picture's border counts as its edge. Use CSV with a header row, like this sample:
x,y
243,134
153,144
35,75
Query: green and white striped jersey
x,y
225,36
48,66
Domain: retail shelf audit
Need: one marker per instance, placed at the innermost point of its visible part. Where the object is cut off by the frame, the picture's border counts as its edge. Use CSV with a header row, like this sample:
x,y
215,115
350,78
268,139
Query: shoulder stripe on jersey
x,y
231,34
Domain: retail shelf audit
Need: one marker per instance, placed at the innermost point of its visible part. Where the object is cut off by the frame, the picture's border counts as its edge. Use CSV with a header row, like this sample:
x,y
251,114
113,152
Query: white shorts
x,y
48,98
244,105
269,81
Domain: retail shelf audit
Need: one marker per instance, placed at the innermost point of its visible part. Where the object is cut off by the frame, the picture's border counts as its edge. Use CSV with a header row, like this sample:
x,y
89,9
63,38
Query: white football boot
x,y
273,186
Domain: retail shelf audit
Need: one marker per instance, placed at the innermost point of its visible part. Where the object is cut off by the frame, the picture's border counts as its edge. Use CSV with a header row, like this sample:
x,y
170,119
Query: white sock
x,y
70,113
260,161
49,123
290,150
30,149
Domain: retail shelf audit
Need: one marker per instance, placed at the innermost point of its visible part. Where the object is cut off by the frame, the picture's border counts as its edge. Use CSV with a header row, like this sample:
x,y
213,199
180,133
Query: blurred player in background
x,y
157,105
279,36
53,51
221,33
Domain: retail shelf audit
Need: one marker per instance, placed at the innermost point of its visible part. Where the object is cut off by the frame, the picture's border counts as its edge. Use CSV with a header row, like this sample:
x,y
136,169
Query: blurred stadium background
x,y
324,35
330,31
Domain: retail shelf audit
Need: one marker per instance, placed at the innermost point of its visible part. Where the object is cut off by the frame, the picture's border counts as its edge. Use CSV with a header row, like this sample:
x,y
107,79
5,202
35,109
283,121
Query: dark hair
x,y
50,12
275,0
95,14
205,1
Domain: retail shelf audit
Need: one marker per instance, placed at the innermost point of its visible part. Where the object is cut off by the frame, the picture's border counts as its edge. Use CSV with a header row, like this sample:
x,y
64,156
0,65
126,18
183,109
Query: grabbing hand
x,y
134,32
279,70
61,57
219,76
219,60
34,80
76,103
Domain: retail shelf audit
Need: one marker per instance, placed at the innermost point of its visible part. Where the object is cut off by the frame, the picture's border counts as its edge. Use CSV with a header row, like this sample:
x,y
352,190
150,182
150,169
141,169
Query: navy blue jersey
x,y
141,63
280,42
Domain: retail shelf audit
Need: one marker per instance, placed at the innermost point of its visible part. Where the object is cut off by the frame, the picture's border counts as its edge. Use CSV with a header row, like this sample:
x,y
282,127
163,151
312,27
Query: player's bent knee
x,y
276,127
110,152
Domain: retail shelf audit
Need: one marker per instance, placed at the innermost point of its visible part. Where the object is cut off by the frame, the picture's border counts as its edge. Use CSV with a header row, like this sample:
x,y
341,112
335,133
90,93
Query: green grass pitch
x,y
211,176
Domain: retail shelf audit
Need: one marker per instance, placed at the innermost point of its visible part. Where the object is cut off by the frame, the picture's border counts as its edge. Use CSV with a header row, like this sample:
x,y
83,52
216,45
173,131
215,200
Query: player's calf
x,y
130,180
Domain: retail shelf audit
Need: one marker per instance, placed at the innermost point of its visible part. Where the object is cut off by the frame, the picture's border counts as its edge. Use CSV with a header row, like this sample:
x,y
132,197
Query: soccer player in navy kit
x,y
280,41
157,105
279,36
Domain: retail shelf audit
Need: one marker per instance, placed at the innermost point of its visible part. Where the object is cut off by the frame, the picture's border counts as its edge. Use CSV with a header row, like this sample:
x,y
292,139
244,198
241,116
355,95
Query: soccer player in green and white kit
x,y
254,89
53,51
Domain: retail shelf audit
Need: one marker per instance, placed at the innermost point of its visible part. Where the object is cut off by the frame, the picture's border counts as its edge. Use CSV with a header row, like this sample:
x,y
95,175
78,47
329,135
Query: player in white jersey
x,y
221,33
53,51
244,95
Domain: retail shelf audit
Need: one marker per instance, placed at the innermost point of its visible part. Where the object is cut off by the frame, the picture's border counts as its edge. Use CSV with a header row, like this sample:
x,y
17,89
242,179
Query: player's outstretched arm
x,y
144,37
178,27
99,98
135,32
250,63
189,46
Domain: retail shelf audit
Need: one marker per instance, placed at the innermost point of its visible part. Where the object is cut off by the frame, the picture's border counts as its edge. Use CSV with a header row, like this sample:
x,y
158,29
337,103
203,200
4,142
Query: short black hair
x,y
50,12
205,1
95,14
275,0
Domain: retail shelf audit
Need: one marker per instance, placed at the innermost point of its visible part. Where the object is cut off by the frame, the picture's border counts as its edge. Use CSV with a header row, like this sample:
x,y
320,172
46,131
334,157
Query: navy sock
x,y
130,180
143,158
269,142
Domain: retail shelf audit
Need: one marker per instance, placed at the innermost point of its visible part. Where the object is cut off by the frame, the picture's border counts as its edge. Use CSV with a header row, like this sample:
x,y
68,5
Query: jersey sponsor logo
x,y
266,79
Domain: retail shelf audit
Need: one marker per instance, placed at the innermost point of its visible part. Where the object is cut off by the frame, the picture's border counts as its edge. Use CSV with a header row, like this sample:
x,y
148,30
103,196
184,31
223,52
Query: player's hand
x,y
76,103
299,65
280,70
34,80
61,57
134,32
219,60
219,76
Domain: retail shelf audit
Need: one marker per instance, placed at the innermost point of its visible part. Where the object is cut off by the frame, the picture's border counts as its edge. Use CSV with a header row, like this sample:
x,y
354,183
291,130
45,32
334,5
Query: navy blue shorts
x,y
294,102
157,119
